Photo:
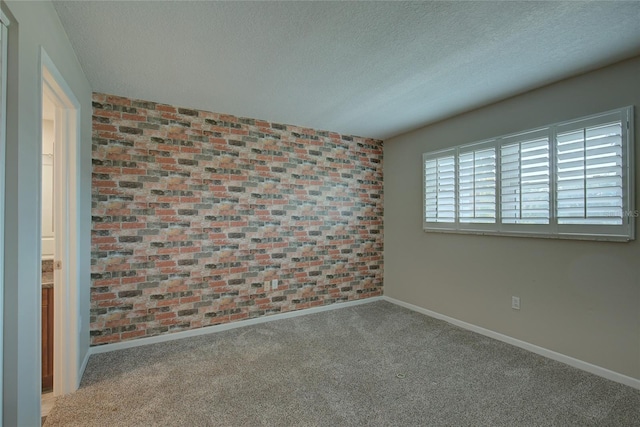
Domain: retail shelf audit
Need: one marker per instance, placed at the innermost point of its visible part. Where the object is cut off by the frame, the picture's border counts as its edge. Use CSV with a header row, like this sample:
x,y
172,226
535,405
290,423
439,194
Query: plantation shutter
x,y
590,175
440,189
525,181
477,186
569,180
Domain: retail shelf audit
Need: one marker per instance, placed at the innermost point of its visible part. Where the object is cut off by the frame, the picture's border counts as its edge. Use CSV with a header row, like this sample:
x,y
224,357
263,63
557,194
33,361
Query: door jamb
x,y
66,225
4,23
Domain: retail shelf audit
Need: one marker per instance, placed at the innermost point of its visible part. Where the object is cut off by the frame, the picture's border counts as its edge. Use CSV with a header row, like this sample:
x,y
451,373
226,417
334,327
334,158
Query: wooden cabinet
x,y
47,338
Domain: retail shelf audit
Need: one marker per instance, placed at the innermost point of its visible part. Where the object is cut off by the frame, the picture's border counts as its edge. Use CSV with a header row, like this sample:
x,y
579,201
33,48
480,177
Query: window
x,y
569,180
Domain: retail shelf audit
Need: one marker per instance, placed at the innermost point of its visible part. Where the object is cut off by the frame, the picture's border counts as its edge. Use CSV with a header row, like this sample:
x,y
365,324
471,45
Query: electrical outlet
x,y
274,283
515,303
267,285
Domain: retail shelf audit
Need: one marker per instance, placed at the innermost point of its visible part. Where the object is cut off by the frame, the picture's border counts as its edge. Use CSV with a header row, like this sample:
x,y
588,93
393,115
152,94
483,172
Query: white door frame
x,y
66,225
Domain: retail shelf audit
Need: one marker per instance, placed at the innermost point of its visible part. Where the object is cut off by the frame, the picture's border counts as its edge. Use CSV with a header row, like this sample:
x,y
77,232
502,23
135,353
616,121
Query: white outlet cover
x,y
267,285
515,303
274,283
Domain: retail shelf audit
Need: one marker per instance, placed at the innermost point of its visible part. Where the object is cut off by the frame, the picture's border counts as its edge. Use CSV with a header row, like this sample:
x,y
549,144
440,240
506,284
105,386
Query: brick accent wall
x,y
193,211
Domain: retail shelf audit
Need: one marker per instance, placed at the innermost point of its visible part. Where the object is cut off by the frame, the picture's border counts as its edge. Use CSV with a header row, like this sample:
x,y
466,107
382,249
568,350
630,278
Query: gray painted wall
x,y
578,298
35,24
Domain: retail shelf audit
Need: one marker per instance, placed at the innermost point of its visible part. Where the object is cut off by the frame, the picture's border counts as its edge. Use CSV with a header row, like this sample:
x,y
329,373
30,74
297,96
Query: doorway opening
x,y
60,221
48,240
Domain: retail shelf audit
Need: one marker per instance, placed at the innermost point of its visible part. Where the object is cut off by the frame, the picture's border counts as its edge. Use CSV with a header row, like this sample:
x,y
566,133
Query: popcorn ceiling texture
x,y
374,68
193,211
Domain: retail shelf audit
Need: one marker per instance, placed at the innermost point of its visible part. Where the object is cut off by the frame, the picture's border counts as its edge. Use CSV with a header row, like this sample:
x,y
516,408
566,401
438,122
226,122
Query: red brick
x,y
188,220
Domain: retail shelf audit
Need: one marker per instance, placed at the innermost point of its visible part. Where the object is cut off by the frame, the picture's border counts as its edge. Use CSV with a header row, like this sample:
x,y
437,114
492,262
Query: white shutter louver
x,y
525,182
477,186
440,189
589,175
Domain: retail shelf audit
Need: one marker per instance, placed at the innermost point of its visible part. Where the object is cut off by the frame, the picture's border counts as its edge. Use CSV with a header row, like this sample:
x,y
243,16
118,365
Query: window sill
x,y
562,236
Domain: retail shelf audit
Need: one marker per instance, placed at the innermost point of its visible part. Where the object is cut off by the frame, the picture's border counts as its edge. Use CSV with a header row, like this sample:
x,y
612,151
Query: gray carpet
x,y
376,364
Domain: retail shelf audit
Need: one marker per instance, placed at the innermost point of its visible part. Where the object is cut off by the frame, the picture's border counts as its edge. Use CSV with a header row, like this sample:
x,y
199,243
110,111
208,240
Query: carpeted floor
x,y
375,364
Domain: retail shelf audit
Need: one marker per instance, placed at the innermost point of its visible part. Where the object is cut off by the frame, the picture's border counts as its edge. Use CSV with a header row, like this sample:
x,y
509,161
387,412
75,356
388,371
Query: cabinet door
x,y
47,338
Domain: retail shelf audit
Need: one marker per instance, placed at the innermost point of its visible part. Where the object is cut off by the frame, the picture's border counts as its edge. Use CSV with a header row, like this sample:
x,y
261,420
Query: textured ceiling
x,y
374,69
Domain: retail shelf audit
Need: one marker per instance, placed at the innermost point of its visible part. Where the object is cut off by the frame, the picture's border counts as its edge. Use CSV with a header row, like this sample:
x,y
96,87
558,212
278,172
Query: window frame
x,y
618,233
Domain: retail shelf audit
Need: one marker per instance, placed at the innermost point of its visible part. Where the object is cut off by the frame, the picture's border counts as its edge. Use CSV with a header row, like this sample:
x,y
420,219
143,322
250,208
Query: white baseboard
x,y
576,363
224,327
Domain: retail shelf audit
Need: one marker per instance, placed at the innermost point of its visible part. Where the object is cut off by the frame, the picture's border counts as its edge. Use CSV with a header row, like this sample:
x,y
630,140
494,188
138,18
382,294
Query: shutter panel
x,y
589,175
477,186
440,189
525,182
